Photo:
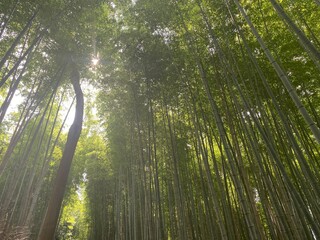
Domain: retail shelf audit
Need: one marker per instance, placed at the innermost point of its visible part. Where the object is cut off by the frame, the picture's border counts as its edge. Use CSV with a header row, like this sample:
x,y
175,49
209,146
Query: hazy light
x,y
95,61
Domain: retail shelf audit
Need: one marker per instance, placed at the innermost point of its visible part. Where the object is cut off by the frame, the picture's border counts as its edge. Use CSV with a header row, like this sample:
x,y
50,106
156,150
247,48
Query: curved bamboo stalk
x,y
50,221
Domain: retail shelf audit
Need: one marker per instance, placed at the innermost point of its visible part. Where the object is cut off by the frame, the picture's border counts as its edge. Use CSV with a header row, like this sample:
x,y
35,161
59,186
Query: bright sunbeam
x,y
94,61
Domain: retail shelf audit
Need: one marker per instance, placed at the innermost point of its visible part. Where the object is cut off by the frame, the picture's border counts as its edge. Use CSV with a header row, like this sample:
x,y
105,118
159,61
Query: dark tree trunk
x,y
52,214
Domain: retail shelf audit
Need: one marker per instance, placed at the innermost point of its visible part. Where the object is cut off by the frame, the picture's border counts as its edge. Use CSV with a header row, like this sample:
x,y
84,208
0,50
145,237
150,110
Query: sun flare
x,y
95,61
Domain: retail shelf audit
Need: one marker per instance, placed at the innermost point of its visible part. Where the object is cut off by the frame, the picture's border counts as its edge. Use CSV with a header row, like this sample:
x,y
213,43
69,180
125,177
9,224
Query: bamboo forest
x,y
159,119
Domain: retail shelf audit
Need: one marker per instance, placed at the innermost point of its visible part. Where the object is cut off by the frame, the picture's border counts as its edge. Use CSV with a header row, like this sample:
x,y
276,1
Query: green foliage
x,y
193,129
73,221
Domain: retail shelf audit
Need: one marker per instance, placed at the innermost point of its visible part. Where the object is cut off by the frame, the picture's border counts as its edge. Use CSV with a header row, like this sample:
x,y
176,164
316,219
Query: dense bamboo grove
x,y
192,119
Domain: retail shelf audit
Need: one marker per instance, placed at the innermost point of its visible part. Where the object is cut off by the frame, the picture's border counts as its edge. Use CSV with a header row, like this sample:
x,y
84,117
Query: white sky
x,y
16,100
89,94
